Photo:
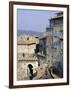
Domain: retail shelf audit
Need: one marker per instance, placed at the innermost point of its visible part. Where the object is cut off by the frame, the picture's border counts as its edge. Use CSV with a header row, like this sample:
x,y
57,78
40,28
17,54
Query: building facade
x,y
45,42
57,37
52,40
26,46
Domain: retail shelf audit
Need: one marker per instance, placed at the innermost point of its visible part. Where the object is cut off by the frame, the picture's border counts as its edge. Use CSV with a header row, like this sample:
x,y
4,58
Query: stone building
x,y
45,46
26,46
47,49
57,33
51,43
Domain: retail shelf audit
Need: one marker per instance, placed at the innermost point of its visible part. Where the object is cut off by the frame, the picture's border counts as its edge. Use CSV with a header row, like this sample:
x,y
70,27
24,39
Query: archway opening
x,y
30,72
30,66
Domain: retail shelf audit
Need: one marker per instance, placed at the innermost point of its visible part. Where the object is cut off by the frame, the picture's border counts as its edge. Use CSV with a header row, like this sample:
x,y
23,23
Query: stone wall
x,y
22,69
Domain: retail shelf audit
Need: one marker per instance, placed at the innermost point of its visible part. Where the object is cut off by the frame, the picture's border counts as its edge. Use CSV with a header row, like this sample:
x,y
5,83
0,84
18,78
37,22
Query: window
x,y
23,54
27,38
61,33
61,45
37,48
54,45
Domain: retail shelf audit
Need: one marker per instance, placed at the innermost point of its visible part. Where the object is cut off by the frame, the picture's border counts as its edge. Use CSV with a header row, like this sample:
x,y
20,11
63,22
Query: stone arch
x,y
30,71
30,65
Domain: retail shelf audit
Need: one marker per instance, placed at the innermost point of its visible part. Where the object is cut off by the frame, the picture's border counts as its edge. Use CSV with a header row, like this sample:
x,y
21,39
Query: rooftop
x,y
57,17
27,40
46,34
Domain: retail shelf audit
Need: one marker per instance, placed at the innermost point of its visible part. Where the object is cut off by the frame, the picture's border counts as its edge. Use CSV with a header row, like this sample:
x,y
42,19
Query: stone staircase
x,y
41,72
44,72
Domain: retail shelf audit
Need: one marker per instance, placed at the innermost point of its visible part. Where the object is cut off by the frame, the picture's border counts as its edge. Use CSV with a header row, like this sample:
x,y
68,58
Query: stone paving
x,y
42,72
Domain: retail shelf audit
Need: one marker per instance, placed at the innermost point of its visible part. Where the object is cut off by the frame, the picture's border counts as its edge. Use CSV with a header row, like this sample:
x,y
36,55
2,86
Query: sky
x,y
34,20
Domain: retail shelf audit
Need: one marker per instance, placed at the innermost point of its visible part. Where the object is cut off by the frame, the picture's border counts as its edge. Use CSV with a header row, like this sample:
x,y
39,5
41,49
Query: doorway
x,y
30,71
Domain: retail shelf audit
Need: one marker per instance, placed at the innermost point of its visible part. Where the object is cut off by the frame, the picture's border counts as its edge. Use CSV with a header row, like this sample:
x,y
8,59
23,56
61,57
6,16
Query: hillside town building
x,y
37,51
52,40
26,46
57,33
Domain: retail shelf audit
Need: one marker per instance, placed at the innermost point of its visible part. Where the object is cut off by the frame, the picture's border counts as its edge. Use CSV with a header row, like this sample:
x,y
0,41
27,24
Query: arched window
x,y
27,38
